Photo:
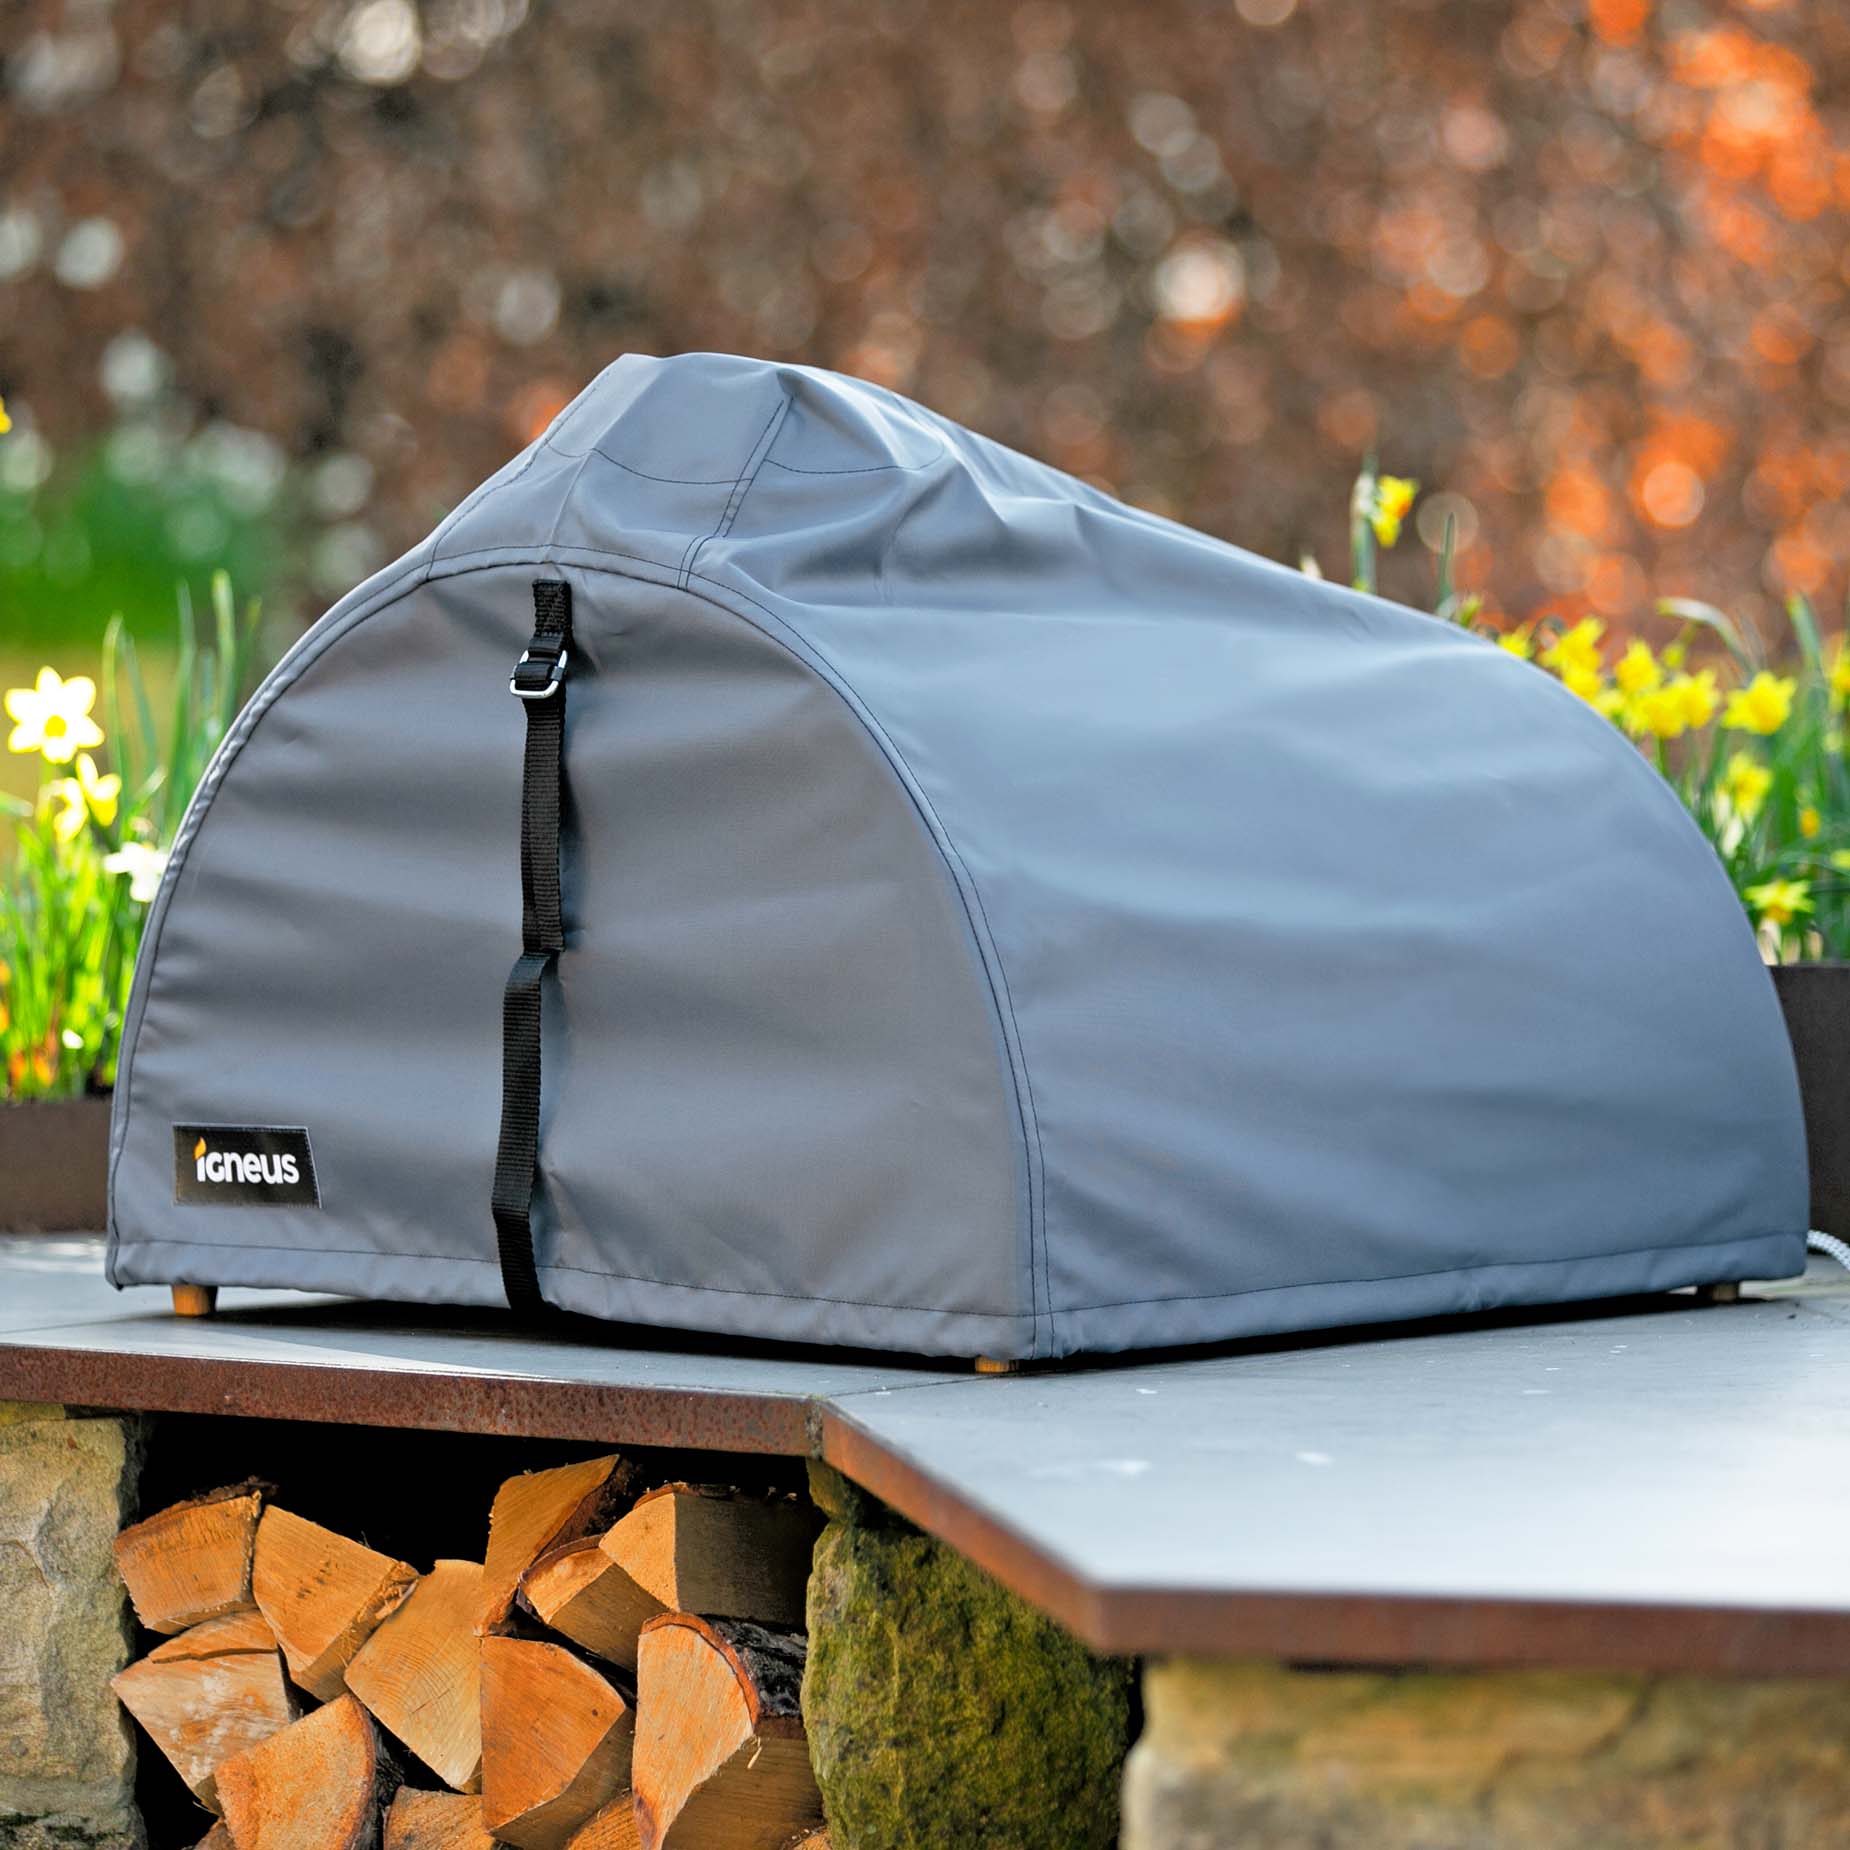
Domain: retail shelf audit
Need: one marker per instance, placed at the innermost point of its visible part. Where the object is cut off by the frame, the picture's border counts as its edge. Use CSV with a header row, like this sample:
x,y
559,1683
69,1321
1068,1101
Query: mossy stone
x,y
944,1712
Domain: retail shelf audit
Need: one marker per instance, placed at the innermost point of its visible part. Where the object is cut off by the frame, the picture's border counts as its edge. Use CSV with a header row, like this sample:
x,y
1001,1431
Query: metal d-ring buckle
x,y
538,693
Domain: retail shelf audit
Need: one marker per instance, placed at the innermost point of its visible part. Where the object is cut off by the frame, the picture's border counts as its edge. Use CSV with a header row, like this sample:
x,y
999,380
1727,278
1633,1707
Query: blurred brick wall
x,y
1583,265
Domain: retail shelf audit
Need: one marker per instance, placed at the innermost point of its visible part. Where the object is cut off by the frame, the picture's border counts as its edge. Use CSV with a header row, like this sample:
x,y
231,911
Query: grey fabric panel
x,y
1181,944
303,973
774,1091
1381,940
1343,949
773,1068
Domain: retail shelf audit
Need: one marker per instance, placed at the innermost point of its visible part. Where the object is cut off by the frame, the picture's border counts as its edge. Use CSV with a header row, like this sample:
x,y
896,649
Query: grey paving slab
x,y
1656,1485
1544,1491
47,1280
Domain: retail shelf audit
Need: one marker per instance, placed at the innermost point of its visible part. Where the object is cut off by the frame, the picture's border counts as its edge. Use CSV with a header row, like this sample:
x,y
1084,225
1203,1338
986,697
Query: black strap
x,y
539,684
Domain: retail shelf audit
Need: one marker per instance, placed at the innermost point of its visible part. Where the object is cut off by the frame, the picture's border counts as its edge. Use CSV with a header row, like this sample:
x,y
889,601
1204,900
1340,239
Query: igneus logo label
x,y
244,1166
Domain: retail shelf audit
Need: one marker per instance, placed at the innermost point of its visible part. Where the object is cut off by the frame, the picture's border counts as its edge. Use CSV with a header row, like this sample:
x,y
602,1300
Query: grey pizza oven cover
x,y
997,921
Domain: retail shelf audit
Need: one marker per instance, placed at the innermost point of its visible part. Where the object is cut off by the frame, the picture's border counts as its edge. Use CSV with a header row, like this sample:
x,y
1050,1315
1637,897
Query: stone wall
x,y
1236,1756
66,1757
941,1709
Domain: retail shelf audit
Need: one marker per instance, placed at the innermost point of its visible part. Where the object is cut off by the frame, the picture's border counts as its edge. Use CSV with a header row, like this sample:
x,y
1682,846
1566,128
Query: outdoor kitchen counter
x,y
1653,1485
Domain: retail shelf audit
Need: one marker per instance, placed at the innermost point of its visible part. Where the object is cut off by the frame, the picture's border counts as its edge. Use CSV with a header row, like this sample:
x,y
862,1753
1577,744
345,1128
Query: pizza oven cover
x,y
997,921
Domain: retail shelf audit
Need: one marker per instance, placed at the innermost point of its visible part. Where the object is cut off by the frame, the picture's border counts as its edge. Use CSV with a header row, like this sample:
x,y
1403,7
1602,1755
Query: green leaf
x,y
1805,628
1693,610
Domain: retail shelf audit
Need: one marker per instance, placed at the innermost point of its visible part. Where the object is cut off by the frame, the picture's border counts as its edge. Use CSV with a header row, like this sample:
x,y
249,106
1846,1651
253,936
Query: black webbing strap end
x,y
538,682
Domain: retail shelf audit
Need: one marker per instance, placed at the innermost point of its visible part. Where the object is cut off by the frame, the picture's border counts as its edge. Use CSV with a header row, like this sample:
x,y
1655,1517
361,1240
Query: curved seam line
x,y
565,501
476,498
679,481
965,884
1040,1289
299,662
991,958
871,469
748,473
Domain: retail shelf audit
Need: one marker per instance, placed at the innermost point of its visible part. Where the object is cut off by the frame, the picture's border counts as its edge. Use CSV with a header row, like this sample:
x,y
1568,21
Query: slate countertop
x,y
1653,1484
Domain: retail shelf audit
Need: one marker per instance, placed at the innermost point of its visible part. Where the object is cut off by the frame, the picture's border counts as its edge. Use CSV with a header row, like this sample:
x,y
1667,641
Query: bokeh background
x,y
280,280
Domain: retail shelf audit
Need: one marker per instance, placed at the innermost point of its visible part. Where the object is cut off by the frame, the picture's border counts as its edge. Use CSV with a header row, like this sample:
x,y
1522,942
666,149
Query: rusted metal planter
x,y
1816,998
54,1163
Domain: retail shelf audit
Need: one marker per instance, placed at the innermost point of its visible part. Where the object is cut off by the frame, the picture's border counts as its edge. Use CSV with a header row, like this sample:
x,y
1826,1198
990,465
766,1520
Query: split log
x,y
323,1595
436,1821
318,1785
581,1593
540,1511
236,1631
556,1739
721,1758
613,1828
682,1548
218,1838
419,1674
192,1562
208,1694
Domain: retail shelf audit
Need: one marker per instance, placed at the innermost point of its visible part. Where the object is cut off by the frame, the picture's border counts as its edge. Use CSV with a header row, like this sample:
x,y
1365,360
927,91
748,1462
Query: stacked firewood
x,y
620,1668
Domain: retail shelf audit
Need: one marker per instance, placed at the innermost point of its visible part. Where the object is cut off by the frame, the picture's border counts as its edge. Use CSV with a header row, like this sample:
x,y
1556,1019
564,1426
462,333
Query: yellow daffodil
x,y
1810,822
1745,782
1674,653
1840,677
83,796
1520,643
1576,651
67,794
6,423
1393,497
1779,902
53,717
1637,671
1762,706
102,794
1659,711
1585,682
1699,696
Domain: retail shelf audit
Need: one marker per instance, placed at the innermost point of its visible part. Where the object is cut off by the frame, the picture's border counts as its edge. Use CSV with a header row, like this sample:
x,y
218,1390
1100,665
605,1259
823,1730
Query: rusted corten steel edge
x,y
1360,1629
506,1406
1030,1477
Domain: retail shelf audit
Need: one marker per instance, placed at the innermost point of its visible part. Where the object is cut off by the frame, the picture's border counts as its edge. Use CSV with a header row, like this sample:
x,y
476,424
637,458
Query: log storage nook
x,y
623,1667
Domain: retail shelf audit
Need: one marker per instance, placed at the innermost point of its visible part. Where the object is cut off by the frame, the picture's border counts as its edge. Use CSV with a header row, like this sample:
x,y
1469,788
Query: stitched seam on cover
x,y
1039,1290
680,481
871,469
626,1278
476,498
1004,1316
962,881
748,473
1444,1271
1023,1092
